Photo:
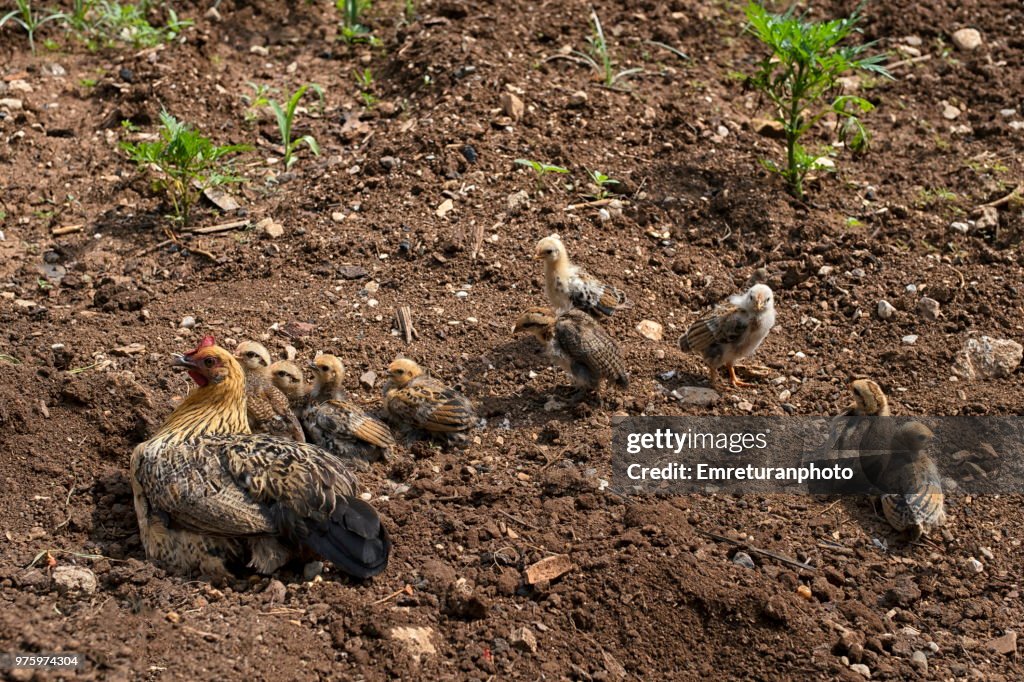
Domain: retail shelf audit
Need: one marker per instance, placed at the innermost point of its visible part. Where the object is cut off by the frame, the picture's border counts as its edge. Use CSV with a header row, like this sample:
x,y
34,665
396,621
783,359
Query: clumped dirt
x,y
650,595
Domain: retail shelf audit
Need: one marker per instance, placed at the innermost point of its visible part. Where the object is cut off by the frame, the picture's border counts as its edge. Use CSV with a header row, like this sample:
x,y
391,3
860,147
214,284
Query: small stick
x,y
403,319
594,204
833,547
758,550
478,239
1002,200
155,247
222,227
909,61
67,229
397,593
517,520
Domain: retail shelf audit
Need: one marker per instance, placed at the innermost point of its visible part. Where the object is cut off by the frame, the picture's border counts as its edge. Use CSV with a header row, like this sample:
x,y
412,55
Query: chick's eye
x,y
250,354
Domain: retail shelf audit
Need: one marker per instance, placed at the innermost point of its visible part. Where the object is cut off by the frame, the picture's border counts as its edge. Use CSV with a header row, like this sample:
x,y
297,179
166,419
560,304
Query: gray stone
x,y
885,309
74,580
988,358
967,39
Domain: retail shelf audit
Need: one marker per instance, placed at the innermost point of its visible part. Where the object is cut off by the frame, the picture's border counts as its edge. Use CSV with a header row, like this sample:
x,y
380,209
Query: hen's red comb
x,y
205,343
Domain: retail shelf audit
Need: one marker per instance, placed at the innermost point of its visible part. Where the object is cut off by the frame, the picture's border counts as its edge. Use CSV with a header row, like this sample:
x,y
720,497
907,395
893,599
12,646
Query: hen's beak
x,y
184,362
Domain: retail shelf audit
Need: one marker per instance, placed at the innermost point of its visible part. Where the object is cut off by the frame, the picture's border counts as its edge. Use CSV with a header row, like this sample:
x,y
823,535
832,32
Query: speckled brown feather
x,y
426,403
343,428
593,354
268,408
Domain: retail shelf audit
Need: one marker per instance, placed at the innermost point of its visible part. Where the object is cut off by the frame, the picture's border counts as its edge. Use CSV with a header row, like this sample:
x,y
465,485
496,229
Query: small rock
x,y
55,70
469,153
270,228
19,86
338,217
911,289
187,322
553,405
962,228
909,339
524,640
988,358
548,568
578,99
825,270
975,566
929,309
989,218
352,272
446,206
949,112
1005,645
260,50
388,162
987,553
885,309
172,617
275,591
920,661
517,202
743,559
804,592
212,14
512,106
745,405
312,570
967,39
11,104
696,395
74,580
861,670
368,379
417,641
649,329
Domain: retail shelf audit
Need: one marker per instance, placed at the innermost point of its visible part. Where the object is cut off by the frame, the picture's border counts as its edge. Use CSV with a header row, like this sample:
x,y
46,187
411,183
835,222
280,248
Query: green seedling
x,y
800,79
187,162
286,116
364,80
542,169
102,23
129,127
410,11
26,17
352,31
598,57
602,182
256,101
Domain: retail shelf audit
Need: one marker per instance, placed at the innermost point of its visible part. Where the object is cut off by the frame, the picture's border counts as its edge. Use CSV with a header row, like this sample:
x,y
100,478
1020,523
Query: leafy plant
x,y
410,11
352,31
188,163
599,58
28,19
602,182
364,80
286,116
800,78
542,169
103,23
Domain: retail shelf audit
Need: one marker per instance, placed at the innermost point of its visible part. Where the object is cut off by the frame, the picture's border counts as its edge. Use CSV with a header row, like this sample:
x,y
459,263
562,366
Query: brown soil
x,y
650,596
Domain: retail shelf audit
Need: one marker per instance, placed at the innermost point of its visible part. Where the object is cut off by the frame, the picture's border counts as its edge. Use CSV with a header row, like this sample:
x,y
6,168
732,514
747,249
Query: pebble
x,y
987,553
368,379
469,153
950,113
988,358
270,228
967,39
275,590
338,216
19,86
696,395
743,559
858,273
461,294
649,329
861,669
885,309
512,106
804,592
11,104
745,405
517,202
55,70
920,661
975,566
446,206
989,218
825,270
909,339
578,99
524,640
785,395
212,14
416,640
1005,645
957,226
388,162
312,570
187,322
929,308
74,580
911,289
260,50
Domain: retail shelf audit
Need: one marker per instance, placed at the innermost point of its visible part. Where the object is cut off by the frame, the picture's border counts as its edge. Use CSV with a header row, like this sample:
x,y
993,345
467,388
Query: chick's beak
x,y
759,303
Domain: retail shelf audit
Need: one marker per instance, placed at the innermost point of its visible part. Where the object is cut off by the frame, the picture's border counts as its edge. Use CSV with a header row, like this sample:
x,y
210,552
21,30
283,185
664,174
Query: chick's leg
x,y
735,379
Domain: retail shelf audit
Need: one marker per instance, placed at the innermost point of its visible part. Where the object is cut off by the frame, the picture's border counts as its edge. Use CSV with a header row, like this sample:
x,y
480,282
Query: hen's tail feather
x,y
353,538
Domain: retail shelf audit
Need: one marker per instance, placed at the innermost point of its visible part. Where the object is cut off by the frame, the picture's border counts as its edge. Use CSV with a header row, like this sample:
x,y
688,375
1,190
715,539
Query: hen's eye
x,y
209,362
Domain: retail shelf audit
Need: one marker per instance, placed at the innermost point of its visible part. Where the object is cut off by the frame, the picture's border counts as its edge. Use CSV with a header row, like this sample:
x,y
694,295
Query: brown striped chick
x,y
912,499
579,345
568,287
417,402
288,379
732,331
266,406
337,424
